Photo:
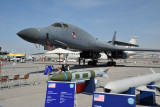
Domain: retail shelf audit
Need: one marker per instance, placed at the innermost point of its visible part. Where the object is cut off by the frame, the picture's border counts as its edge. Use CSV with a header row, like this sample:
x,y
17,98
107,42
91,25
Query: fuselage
x,y
69,36
65,35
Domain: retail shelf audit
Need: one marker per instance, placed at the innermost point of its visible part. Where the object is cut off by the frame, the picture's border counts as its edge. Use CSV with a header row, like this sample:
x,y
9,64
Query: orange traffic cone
x,y
1,64
0,71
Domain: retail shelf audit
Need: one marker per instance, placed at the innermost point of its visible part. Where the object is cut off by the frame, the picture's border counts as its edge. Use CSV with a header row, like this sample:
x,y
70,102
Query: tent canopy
x,y
59,51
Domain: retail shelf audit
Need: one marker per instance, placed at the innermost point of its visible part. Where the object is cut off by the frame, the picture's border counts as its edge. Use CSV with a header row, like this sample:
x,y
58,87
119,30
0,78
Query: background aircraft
x,y
70,36
133,41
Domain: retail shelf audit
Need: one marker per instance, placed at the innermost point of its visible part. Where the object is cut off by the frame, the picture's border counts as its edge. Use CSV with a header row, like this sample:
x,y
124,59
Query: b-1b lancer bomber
x,y
72,37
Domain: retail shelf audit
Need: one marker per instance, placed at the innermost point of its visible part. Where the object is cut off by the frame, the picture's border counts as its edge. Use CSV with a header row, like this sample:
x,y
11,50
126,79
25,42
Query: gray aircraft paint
x,y
63,37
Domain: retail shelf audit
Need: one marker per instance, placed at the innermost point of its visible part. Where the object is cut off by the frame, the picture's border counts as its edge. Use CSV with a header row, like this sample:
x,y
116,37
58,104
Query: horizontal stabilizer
x,y
123,43
144,88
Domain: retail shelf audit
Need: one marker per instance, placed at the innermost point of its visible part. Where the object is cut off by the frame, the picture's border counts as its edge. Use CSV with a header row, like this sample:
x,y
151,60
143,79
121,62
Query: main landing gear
x,y
83,61
111,63
92,63
65,67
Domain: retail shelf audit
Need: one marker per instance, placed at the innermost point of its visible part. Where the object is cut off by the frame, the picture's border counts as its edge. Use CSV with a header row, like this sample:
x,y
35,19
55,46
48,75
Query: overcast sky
x,y
98,17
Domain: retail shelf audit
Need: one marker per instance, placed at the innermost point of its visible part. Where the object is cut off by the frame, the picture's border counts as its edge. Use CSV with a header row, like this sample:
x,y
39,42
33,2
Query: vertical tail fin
x,y
114,37
132,41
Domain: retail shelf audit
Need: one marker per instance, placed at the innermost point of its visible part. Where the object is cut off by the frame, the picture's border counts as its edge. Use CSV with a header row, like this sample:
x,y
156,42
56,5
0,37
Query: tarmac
x,y
34,95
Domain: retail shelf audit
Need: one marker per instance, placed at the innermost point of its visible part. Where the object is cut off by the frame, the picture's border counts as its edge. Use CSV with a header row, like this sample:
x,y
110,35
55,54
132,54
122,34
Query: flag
x,y
52,85
98,97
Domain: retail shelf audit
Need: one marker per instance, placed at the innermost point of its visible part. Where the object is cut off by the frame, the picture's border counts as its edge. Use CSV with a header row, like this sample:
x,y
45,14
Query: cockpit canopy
x,y
61,25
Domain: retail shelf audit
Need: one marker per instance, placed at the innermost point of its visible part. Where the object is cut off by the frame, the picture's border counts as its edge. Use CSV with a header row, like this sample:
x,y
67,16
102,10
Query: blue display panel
x,y
113,100
60,94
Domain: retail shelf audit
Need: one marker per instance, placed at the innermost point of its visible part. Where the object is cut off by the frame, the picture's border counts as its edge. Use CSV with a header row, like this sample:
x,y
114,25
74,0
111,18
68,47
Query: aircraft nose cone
x,y
30,35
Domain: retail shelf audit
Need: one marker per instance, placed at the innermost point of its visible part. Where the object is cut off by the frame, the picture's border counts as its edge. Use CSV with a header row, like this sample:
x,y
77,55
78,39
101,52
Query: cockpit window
x,y
60,25
65,25
56,25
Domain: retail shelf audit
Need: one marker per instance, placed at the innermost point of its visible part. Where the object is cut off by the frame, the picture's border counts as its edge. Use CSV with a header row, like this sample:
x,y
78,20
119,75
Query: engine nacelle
x,y
119,55
90,54
125,55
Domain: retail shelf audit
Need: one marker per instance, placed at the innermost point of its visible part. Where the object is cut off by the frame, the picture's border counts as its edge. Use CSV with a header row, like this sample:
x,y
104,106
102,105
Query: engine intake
x,y
90,54
119,55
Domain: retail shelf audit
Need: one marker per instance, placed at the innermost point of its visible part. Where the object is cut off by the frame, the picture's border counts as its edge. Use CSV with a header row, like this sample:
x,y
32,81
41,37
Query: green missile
x,y
77,75
65,76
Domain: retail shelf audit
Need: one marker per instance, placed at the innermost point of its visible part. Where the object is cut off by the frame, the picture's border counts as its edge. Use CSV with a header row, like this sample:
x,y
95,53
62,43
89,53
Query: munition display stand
x,y
131,91
146,97
60,94
89,86
113,100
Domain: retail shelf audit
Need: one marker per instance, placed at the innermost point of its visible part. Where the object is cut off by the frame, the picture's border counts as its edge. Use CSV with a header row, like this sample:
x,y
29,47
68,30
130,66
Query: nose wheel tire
x,y
111,63
67,68
92,63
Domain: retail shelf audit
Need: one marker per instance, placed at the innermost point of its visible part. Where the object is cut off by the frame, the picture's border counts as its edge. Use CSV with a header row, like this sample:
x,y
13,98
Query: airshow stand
x,y
147,97
131,91
89,86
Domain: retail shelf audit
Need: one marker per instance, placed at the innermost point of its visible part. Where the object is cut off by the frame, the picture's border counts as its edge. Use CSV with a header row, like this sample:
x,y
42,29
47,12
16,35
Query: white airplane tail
x,y
132,41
